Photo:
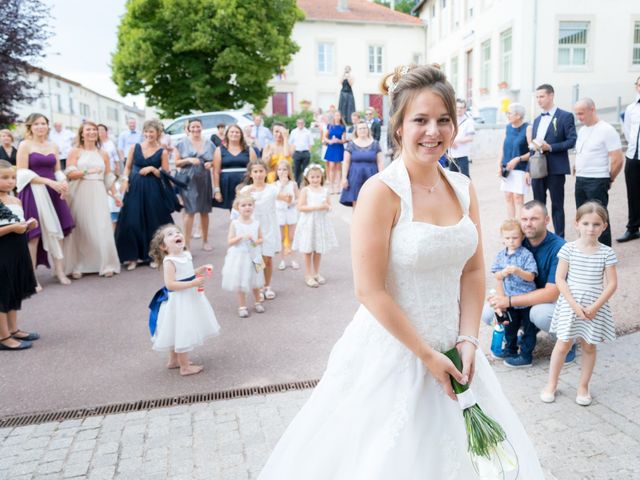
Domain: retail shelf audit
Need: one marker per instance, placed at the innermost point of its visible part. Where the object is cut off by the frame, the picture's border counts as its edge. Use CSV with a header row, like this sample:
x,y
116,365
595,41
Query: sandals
x,y
320,279
282,265
23,345
295,265
132,266
30,336
311,282
243,312
76,275
259,308
269,294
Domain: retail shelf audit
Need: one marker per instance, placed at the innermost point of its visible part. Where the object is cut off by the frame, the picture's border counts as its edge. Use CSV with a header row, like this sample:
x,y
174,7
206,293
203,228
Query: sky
x,y
84,37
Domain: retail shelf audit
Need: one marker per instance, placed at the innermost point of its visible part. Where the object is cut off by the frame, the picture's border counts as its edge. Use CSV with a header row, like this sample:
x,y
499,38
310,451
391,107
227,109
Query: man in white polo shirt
x,y
462,144
302,141
598,158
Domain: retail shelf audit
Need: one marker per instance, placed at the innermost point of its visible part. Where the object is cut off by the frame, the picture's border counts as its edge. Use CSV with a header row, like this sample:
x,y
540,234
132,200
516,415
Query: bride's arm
x,y
472,288
378,208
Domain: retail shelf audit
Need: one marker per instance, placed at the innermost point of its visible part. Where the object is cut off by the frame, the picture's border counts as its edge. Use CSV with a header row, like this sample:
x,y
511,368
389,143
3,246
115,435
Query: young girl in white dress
x,y
582,310
181,316
243,265
314,234
286,211
265,195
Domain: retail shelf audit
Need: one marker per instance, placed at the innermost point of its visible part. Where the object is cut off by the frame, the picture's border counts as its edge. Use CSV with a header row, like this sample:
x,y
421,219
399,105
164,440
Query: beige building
x,y
69,102
496,51
370,38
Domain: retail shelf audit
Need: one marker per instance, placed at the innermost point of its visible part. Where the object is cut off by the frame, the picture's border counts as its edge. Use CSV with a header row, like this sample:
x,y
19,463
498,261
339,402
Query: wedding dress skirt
x,y
377,413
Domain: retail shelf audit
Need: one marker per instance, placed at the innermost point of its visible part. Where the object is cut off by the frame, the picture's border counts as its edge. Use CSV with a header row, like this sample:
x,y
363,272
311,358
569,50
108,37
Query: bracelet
x,y
124,177
216,190
468,338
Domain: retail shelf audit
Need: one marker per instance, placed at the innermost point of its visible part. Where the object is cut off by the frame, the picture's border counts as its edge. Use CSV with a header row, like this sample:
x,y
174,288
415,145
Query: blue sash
x,y
161,296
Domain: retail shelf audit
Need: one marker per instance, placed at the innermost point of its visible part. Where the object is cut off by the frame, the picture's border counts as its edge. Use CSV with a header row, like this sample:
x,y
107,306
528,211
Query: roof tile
x,y
358,11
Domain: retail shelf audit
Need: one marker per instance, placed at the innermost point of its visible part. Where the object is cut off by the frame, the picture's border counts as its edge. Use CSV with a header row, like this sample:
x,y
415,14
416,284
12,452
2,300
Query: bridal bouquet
x,y
491,453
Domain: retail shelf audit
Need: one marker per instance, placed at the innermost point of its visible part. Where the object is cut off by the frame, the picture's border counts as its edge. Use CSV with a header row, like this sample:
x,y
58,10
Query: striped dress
x,y
585,280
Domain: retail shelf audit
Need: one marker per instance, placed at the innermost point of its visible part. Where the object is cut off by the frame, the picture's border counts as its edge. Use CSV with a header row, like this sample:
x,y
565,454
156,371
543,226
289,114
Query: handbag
x,y
182,176
505,172
538,165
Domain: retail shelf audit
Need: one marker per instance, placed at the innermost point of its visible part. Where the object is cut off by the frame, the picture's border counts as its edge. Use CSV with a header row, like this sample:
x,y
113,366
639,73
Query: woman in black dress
x,y
7,150
347,103
230,166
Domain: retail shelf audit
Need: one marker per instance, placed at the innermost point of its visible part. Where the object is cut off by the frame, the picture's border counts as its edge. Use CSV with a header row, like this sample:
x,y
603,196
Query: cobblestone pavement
x,y
230,440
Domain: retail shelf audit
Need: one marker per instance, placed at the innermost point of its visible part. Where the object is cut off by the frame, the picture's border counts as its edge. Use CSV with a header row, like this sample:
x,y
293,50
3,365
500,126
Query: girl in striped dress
x,y
582,310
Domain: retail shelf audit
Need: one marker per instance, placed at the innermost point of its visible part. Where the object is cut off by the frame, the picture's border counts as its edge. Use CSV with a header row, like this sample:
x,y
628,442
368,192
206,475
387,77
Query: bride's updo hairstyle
x,y
405,83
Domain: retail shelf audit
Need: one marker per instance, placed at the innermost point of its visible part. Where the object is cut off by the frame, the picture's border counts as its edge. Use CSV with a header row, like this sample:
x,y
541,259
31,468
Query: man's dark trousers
x,y
300,162
632,179
555,184
594,189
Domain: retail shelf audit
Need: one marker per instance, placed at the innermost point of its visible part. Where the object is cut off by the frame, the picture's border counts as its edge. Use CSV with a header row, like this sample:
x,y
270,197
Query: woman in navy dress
x,y
148,202
335,137
362,160
230,166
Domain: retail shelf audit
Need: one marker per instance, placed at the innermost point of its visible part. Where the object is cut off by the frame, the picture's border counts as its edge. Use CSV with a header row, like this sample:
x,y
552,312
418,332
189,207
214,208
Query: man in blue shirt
x,y
261,134
128,139
544,246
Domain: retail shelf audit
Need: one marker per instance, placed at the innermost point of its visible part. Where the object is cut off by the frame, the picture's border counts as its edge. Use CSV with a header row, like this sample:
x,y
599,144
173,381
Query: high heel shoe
x,y
63,279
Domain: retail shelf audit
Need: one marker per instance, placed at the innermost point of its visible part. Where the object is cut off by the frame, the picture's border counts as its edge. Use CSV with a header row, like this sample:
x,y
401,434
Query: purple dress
x,y
364,165
44,166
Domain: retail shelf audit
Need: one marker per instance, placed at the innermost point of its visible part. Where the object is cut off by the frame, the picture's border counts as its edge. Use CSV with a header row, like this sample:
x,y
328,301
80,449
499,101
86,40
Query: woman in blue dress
x,y
335,137
148,201
362,160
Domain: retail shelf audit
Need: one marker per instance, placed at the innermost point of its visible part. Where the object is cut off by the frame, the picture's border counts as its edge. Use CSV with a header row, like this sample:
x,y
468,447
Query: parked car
x,y
210,121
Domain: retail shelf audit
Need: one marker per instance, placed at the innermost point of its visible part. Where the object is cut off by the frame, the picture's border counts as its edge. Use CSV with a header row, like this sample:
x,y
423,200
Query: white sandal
x,y
243,312
269,294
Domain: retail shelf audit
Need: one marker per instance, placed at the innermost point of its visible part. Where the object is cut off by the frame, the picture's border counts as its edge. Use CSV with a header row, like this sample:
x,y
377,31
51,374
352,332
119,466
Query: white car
x,y
210,121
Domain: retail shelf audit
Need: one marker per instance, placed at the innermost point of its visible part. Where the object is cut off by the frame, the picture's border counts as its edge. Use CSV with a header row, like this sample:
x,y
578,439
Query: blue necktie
x,y
546,114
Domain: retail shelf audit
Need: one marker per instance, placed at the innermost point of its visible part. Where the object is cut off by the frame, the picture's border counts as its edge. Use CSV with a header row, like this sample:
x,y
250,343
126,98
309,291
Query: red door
x,y
375,102
279,103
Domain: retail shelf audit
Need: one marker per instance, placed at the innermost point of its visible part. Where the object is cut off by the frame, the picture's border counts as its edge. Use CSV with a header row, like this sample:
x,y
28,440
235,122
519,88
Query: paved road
x,y
95,348
231,440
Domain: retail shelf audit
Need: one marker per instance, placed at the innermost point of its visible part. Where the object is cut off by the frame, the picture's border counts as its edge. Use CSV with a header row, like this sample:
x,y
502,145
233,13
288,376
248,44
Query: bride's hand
x,y
467,353
441,368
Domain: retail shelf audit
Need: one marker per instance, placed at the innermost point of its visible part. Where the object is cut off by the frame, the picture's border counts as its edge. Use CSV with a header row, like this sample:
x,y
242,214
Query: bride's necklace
x,y
429,189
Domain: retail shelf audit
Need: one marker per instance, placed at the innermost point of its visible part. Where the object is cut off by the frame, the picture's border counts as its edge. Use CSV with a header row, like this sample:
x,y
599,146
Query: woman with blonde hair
x,y
385,407
91,247
42,188
148,201
278,150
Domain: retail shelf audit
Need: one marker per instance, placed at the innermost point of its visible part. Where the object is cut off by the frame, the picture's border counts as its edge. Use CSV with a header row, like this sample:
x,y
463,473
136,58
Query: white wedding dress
x,y
377,413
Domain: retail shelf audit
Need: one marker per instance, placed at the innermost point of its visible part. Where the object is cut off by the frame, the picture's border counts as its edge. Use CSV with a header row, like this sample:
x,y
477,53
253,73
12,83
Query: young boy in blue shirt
x,y
515,269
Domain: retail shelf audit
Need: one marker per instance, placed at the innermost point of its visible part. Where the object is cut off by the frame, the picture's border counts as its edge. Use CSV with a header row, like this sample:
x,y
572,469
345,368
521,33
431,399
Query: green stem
x,y
454,356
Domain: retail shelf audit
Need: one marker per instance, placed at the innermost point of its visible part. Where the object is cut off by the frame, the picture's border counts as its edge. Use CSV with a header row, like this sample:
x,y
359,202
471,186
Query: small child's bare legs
x,y
312,264
555,366
256,295
588,362
242,299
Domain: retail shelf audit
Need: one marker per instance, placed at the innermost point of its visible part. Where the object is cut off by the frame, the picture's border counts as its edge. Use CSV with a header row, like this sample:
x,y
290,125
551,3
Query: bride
x,y
385,407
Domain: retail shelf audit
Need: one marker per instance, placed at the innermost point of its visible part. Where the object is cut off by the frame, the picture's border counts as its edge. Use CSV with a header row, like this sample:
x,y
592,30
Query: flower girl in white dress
x,y
242,272
315,235
181,316
385,407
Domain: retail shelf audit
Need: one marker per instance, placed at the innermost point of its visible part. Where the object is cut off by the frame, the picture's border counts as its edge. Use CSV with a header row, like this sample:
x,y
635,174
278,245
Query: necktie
x,y
546,114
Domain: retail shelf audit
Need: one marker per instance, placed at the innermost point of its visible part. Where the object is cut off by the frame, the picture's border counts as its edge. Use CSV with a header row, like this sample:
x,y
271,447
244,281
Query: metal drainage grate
x,y
81,413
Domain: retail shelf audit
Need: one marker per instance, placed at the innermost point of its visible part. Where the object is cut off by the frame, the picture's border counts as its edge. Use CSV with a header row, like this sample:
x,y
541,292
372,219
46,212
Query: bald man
x,y
598,158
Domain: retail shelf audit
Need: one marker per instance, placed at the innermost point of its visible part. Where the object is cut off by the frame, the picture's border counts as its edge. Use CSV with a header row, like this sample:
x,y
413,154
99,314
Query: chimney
x,y
343,5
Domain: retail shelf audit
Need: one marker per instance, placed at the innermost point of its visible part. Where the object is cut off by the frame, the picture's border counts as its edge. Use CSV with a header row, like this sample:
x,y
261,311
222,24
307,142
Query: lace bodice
x,y
426,261
90,159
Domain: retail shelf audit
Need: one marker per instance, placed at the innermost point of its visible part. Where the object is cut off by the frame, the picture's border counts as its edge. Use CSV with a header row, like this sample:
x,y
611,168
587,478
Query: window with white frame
x,y
85,111
454,73
572,43
505,58
417,59
375,58
485,66
636,44
325,57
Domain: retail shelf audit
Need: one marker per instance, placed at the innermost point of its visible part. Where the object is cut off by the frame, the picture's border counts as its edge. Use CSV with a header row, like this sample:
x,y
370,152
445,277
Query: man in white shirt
x,y
302,140
598,159
631,127
63,138
461,147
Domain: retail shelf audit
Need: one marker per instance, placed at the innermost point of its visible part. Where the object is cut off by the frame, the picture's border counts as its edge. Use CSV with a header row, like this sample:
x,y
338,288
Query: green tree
x,y
186,55
404,6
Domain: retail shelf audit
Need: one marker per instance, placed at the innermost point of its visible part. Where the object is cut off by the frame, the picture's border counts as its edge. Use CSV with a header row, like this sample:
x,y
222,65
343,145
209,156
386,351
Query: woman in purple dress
x,y
42,187
362,160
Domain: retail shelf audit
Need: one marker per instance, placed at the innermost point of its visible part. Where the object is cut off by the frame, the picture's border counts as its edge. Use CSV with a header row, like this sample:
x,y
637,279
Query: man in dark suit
x,y
373,123
555,130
